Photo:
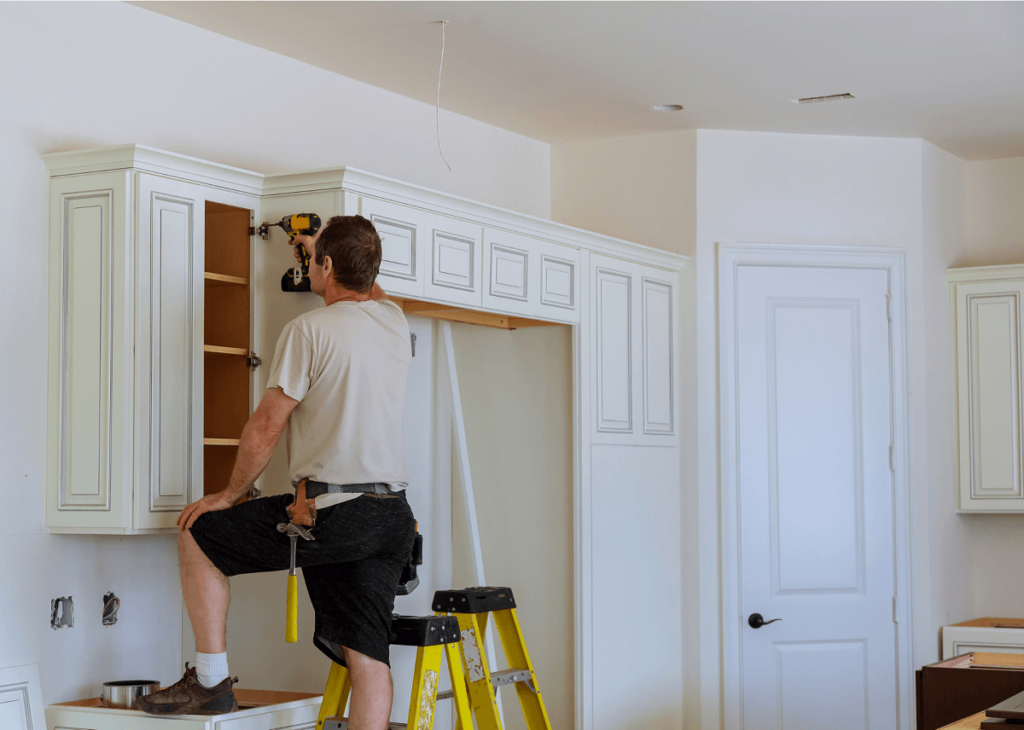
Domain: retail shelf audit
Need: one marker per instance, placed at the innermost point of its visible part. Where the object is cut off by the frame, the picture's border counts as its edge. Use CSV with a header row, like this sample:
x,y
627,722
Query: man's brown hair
x,y
354,247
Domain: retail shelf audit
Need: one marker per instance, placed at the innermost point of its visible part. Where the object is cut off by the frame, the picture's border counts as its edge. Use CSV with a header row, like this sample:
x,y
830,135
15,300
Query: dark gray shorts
x,y
351,570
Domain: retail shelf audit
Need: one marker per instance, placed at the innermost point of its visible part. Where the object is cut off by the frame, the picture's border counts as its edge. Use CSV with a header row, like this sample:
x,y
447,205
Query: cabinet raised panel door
x,y
988,367
403,238
633,352
89,433
169,351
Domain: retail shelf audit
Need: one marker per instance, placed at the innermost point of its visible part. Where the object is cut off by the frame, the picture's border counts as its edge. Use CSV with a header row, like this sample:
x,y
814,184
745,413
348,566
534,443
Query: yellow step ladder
x,y
472,606
433,636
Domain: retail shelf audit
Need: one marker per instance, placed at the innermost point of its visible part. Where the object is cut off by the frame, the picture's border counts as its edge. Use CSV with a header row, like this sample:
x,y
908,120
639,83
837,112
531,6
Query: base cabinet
x,y
986,304
996,635
257,710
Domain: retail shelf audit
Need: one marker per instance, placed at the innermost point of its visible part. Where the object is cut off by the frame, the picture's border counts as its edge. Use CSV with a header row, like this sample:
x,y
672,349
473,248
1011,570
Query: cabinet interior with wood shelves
x,y
227,340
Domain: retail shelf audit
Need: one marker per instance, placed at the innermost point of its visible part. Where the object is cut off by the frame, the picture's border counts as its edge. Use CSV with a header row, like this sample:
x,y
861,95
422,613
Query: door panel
x,y
456,249
169,350
403,237
989,376
815,498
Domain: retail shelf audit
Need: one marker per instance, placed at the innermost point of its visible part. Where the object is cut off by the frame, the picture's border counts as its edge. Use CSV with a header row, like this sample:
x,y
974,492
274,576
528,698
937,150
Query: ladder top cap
x,y
424,630
481,599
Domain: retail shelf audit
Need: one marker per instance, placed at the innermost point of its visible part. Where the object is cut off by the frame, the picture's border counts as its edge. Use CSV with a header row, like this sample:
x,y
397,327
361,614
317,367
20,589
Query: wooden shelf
x,y
225,350
225,279
220,442
469,316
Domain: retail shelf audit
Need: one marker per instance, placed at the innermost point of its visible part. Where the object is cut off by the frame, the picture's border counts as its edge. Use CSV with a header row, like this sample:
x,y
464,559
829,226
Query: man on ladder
x,y
337,384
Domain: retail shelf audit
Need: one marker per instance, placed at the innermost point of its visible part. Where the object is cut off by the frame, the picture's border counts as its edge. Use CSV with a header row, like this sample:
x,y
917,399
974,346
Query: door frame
x,y
731,256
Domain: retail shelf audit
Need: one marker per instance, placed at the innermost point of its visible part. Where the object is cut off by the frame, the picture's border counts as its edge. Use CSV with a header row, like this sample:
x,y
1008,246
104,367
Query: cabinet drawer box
x,y
257,710
998,635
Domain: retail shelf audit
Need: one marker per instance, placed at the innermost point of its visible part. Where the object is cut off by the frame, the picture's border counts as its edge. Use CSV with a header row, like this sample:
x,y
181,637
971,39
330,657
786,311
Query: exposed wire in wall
x,y
437,107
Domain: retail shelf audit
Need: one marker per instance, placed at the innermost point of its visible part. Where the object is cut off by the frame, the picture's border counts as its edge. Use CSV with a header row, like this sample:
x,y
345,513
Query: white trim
x,y
25,681
984,273
158,162
212,174
893,261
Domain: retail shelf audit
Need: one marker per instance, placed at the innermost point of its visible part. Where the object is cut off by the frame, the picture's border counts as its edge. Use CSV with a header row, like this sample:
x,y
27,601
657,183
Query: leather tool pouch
x,y
302,511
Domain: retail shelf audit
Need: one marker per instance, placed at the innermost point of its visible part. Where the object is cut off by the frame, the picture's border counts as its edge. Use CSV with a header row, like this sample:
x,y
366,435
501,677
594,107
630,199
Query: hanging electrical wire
x,y
437,107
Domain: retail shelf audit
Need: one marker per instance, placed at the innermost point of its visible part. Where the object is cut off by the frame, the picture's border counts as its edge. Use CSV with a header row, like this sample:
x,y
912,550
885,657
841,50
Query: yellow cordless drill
x,y
300,224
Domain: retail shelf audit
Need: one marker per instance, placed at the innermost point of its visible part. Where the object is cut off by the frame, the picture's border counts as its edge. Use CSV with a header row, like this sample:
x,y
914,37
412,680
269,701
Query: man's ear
x,y
328,265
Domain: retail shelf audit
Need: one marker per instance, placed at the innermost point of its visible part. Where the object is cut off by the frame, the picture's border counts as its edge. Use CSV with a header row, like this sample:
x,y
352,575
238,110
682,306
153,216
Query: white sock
x,y
211,669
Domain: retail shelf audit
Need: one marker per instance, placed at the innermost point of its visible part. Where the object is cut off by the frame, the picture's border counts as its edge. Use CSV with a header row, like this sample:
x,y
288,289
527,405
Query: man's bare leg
x,y
206,594
370,703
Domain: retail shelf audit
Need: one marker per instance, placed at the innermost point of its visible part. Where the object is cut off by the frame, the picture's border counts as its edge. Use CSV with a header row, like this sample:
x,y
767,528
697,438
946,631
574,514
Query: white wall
x,y
994,235
995,213
794,189
82,75
516,390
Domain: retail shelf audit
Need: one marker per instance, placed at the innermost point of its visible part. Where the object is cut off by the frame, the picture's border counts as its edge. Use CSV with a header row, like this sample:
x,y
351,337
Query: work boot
x,y
188,697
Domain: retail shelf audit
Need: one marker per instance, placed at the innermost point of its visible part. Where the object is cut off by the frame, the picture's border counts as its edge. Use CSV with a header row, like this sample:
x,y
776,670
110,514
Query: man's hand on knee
x,y
209,503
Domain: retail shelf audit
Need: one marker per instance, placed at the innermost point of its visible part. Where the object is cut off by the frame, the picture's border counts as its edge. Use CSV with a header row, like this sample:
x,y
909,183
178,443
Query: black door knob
x,y
756,621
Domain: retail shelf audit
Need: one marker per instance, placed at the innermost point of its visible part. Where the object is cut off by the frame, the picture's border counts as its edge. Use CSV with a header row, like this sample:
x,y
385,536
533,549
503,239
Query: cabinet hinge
x,y
253,361
253,493
892,457
263,231
412,341
888,306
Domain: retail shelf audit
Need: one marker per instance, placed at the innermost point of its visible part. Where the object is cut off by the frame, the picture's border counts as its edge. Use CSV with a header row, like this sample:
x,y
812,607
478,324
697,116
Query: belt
x,y
303,510
315,489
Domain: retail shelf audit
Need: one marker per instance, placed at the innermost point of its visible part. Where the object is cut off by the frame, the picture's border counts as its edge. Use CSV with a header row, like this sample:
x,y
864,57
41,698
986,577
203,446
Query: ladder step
x,y
341,723
499,679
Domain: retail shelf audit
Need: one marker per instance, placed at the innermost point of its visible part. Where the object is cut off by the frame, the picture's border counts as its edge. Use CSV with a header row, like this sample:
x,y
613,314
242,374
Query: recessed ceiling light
x,y
667,107
816,99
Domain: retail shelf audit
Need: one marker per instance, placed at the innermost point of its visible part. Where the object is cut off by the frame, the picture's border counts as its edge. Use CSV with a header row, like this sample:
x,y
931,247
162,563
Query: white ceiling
x,y
951,73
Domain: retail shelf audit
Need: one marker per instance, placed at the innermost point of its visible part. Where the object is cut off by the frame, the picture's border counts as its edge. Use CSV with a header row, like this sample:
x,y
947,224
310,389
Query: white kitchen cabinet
x,y
531,277
634,359
404,243
986,305
455,256
128,392
995,635
257,710
127,355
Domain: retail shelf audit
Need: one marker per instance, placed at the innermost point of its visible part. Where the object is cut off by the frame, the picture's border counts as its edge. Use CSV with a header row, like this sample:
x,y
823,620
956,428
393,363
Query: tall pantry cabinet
x,y
150,334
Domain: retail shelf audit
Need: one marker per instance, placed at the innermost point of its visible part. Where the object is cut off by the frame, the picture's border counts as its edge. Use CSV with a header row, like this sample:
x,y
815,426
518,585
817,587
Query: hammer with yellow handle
x,y
293,531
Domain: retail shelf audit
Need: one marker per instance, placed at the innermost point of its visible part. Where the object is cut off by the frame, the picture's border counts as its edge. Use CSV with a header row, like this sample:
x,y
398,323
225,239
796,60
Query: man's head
x,y
348,250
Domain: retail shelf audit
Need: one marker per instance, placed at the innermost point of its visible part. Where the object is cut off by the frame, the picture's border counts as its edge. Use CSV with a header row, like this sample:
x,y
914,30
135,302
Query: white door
x,y
815,499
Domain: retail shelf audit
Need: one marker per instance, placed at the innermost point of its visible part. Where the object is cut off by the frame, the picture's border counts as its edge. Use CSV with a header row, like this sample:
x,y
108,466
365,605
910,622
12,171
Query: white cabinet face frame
x,y
731,257
987,345
89,423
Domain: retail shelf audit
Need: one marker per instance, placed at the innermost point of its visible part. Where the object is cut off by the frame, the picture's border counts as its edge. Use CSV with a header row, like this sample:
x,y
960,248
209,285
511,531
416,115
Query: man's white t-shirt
x,y
347,365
